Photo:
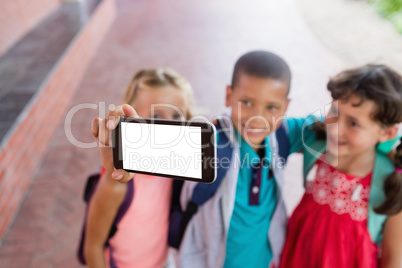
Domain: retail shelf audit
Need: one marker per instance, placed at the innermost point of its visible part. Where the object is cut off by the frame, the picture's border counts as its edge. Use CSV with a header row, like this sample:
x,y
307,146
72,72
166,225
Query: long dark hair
x,y
383,86
393,187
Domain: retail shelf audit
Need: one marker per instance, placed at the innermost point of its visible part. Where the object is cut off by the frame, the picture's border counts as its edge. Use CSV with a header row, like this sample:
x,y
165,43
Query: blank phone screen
x,y
163,149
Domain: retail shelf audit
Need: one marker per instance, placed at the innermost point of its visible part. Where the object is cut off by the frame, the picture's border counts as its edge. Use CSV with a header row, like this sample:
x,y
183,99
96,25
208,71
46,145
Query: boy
x,y
243,224
232,229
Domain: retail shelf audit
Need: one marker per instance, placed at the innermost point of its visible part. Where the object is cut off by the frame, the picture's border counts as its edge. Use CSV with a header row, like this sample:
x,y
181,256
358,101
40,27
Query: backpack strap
x,y
122,209
203,191
175,215
383,167
89,190
311,152
283,141
92,182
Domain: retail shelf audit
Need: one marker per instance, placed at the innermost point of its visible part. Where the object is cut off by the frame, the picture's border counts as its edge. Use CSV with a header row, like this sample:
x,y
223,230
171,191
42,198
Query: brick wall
x,y
22,153
17,17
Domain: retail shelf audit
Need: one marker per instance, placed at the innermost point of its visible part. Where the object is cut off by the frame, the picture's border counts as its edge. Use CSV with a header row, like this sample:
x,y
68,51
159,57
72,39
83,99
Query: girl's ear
x,y
389,133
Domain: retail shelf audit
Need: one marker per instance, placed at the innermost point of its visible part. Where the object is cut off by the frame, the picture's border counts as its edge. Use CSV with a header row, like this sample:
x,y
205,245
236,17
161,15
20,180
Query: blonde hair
x,y
160,77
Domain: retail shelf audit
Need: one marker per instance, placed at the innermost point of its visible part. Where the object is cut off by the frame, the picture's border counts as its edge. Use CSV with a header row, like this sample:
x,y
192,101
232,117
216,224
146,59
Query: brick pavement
x,y
202,40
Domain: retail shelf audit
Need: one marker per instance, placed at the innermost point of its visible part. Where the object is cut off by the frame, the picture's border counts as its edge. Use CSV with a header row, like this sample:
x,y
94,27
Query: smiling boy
x,y
243,224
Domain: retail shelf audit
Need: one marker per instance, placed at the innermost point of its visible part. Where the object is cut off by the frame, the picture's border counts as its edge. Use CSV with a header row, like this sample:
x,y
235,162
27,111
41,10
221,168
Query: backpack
x,y
89,190
179,219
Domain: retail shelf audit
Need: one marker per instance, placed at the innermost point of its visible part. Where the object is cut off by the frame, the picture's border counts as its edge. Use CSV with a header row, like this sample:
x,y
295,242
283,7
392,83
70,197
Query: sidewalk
x,y
201,40
354,31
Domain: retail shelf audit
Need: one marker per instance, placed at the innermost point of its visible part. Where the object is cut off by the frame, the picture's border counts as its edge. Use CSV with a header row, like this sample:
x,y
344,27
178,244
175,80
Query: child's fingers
x,y
103,132
95,127
129,111
122,175
114,117
116,113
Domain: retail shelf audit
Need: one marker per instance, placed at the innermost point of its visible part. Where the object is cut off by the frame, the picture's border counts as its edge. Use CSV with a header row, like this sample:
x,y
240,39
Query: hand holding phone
x,y
101,130
175,149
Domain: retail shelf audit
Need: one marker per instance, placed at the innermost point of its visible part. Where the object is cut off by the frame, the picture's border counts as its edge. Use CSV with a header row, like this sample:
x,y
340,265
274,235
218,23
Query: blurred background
x,y
64,62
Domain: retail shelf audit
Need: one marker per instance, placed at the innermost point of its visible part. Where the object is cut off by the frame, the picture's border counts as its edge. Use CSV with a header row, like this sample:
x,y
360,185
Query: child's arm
x,y
392,242
299,132
103,208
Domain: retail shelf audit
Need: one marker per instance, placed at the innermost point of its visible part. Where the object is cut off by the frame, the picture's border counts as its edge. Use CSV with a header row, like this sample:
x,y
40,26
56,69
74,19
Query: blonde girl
x,y
141,236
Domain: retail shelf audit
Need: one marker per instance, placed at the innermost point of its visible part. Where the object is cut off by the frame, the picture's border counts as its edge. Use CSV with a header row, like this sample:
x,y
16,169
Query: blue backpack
x,y
179,219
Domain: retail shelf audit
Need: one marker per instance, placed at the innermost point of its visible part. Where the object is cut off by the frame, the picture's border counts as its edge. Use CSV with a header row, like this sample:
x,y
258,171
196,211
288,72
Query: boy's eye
x,y
271,107
246,102
156,116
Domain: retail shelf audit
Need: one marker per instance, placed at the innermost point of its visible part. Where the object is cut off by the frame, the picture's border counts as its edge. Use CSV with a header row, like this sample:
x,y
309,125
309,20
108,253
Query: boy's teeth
x,y
255,129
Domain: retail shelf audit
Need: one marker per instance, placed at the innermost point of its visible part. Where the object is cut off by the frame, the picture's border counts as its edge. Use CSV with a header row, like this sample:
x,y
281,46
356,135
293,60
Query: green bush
x,y
391,10
396,19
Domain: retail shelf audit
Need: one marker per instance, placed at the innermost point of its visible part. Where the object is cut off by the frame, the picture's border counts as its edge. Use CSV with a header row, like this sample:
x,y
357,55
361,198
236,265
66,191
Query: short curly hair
x,y
262,64
377,83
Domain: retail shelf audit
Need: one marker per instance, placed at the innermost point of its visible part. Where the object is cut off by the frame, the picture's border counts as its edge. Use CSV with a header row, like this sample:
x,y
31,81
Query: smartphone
x,y
182,150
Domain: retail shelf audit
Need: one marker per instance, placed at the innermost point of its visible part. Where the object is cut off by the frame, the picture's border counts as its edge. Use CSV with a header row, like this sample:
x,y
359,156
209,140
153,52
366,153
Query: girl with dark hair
x,y
351,213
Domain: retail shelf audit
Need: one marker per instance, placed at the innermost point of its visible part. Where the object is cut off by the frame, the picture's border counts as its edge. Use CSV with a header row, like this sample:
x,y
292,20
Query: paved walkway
x,y
202,40
354,31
